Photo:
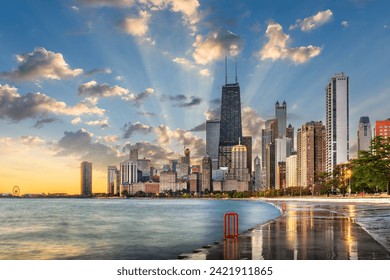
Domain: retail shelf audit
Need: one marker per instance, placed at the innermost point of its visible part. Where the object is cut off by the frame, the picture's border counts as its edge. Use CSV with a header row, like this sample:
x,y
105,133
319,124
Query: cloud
x,y
213,114
81,145
40,123
158,154
345,24
184,62
183,137
129,129
98,71
199,128
102,123
17,107
313,22
76,120
252,124
277,47
41,64
146,114
32,141
138,99
137,26
108,138
182,100
205,72
96,90
107,3
216,46
188,9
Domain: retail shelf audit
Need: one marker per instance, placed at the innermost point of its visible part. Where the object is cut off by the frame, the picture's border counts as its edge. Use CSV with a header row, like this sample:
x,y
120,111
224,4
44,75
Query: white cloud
x,y
345,24
277,47
216,46
137,26
166,136
188,9
183,61
41,64
17,107
96,90
313,22
76,120
205,72
92,88
102,123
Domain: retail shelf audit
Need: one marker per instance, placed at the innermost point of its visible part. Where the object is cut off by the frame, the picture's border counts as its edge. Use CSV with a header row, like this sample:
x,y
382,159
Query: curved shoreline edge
x,y
337,206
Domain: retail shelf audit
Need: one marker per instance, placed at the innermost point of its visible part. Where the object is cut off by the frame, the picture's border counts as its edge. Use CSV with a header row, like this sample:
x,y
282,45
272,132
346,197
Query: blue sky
x,y
86,79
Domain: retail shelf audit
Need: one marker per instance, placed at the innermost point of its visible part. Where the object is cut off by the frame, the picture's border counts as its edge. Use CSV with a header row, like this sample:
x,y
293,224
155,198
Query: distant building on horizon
x,y
337,121
364,134
86,178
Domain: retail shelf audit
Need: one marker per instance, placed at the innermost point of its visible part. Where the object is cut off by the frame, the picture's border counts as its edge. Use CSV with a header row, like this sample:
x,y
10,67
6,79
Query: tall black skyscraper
x,y
230,123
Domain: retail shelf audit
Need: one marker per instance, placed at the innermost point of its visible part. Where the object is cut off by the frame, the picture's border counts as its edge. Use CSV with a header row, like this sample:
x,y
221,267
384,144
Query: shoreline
x,y
334,224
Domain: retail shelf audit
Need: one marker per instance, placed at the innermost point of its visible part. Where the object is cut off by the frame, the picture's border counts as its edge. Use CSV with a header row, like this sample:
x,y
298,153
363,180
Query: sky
x,y
90,79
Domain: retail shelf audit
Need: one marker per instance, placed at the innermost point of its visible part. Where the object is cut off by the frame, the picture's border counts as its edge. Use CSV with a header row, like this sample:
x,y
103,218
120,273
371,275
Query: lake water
x,y
118,228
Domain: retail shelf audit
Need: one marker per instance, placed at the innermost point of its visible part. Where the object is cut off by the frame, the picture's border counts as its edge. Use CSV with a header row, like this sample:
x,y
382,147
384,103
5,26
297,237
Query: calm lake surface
x,y
118,228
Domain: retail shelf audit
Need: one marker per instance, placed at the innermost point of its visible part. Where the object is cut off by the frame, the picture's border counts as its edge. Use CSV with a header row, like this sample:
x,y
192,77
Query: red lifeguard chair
x,y
230,225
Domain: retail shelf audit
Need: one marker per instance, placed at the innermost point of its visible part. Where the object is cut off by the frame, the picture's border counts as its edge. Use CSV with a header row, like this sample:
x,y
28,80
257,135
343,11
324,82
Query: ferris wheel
x,y
15,191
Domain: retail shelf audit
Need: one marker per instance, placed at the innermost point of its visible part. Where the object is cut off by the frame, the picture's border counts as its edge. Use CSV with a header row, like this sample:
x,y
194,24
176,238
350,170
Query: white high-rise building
x,y
337,121
364,134
128,171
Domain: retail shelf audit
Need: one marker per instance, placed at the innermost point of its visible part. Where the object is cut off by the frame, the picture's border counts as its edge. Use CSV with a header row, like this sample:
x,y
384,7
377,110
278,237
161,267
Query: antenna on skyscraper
x,y
225,70
236,69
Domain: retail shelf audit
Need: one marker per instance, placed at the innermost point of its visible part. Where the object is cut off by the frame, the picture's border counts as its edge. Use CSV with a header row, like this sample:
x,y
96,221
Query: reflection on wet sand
x,y
305,232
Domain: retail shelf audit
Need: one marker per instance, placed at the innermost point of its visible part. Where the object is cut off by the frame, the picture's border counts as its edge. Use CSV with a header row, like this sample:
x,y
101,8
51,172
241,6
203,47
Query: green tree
x,y
371,170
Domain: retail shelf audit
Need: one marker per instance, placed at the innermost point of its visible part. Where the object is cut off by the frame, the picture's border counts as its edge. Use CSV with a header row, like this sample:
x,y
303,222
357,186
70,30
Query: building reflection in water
x,y
312,232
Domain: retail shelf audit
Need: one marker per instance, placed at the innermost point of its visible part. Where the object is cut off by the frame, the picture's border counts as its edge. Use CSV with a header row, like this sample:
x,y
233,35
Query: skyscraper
x,y
364,134
268,136
247,142
311,152
290,134
230,123
257,165
281,116
239,163
212,141
382,128
111,179
86,178
206,174
337,121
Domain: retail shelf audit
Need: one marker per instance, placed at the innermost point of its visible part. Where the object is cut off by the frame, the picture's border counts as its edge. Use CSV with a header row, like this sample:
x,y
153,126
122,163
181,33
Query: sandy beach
x,y
312,229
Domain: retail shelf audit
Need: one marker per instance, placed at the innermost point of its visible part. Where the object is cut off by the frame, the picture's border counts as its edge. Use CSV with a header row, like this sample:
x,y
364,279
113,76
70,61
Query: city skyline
x,y
85,80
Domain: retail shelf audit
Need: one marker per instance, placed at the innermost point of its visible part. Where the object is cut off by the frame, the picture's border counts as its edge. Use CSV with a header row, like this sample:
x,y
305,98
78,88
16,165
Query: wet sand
x,y
311,230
